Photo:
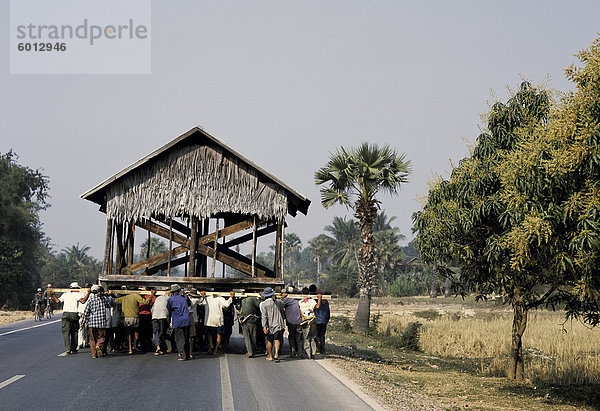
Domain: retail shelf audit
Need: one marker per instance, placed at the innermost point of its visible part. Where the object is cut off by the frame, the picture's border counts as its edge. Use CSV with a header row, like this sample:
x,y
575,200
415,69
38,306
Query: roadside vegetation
x,y
457,353
7,317
520,214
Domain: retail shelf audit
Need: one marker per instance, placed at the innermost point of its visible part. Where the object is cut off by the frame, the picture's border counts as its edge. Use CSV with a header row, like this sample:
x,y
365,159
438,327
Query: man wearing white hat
x,y
70,316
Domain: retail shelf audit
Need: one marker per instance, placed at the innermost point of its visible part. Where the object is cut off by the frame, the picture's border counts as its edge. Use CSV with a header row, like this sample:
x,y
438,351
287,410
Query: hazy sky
x,y
285,83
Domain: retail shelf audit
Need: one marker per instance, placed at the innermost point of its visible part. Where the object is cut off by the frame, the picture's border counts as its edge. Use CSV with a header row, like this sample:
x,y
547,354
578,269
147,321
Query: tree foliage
x,y
23,194
71,264
521,215
476,219
559,169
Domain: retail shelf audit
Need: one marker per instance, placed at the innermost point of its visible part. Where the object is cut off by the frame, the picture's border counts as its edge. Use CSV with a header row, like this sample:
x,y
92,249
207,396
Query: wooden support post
x,y
112,247
193,245
223,265
107,247
279,251
148,243
214,261
170,247
130,242
204,259
120,249
185,268
254,248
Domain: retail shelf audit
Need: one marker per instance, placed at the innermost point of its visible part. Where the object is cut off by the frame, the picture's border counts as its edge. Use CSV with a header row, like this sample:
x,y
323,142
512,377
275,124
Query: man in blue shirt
x,y
180,321
293,320
322,313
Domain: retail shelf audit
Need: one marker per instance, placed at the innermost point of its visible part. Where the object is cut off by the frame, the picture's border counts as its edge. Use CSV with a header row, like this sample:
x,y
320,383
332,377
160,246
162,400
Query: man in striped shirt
x,y
94,316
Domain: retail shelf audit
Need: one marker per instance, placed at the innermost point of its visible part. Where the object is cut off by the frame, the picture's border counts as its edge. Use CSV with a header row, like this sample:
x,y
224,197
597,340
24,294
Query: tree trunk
x,y
516,365
447,288
363,312
433,291
365,213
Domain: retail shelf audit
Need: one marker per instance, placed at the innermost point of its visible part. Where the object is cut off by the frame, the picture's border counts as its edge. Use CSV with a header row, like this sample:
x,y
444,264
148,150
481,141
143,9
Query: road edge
x,y
338,374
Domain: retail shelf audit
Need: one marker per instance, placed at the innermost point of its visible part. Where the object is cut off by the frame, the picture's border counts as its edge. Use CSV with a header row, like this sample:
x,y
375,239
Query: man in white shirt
x,y
213,317
309,323
70,316
160,323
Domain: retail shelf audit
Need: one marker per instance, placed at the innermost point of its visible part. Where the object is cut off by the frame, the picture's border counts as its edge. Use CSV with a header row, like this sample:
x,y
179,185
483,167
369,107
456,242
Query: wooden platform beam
x,y
219,284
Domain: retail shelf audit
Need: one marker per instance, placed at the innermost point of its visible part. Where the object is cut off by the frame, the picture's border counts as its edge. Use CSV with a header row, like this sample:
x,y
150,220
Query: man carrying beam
x,y
70,316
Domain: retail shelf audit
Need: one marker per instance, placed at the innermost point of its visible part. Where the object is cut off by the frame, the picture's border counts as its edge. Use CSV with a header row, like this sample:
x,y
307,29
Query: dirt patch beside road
x,y
7,317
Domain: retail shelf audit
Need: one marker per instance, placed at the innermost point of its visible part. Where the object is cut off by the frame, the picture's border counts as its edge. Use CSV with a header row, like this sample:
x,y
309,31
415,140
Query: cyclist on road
x,y
38,298
48,295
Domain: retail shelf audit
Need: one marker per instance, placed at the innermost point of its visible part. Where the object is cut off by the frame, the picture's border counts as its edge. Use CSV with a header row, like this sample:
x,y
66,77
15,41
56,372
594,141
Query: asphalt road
x,y
34,375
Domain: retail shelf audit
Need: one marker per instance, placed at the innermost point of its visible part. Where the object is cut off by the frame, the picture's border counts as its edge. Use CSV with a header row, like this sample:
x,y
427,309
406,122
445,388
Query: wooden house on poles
x,y
205,200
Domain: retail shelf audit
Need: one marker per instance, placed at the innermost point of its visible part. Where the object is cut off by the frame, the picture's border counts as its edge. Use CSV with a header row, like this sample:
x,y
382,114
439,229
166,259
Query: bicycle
x,y
49,311
37,312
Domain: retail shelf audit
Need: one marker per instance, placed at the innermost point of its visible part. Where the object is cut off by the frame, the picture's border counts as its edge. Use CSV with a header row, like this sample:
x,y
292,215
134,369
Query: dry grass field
x,y
463,353
12,316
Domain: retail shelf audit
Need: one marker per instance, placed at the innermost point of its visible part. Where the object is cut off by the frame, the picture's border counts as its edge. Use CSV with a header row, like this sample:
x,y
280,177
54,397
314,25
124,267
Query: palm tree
x,y
353,177
344,242
157,246
388,253
76,255
78,264
319,246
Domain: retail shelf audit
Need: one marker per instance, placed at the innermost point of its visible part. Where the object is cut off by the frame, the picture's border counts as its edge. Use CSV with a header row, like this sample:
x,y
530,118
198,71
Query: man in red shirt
x,y
145,340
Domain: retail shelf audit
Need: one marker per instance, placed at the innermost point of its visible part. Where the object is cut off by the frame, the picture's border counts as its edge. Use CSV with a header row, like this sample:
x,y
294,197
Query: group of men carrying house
x,y
189,319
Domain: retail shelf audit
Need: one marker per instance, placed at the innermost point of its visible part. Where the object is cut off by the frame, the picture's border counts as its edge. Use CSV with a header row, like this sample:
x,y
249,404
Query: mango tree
x,y
473,219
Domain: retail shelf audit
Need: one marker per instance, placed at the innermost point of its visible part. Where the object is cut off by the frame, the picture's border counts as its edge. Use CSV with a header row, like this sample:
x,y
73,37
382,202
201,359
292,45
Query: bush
x,y
410,284
410,337
428,314
375,320
340,324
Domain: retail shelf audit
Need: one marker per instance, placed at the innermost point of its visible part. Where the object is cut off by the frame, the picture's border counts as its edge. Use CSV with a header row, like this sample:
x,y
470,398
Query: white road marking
x,y
29,328
10,380
226,391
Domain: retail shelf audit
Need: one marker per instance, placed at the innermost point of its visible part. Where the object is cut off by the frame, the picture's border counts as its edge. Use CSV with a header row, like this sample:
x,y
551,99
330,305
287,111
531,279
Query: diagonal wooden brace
x,y
185,244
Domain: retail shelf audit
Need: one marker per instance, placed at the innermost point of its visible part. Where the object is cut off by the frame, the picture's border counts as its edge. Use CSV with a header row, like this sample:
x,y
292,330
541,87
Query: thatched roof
x,y
195,175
